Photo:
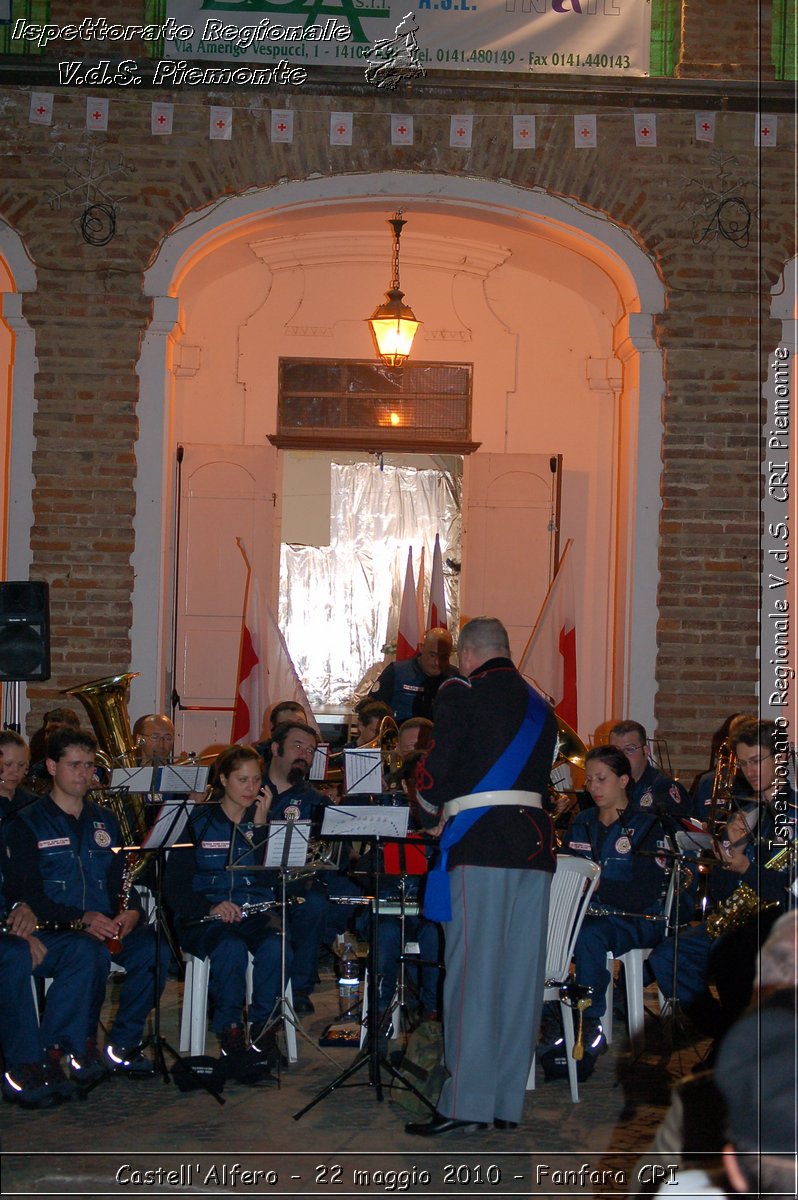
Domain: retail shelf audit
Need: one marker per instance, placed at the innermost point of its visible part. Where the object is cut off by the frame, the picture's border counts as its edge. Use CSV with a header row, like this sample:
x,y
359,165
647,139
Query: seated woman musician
x,y
226,914
629,900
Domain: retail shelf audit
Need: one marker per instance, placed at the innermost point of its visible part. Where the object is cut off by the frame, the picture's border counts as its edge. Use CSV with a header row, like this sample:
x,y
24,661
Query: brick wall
x,y
89,315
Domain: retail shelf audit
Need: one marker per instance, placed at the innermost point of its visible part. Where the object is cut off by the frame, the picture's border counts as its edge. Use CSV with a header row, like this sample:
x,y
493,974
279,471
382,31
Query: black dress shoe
x,y
303,1004
500,1123
441,1124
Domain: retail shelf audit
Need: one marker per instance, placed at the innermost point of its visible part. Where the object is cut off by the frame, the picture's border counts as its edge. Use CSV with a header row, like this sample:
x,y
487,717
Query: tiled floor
x,y
349,1143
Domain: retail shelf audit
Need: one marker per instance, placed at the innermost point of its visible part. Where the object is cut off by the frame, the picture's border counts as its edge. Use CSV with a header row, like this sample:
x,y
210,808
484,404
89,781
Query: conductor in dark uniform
x,y
481,784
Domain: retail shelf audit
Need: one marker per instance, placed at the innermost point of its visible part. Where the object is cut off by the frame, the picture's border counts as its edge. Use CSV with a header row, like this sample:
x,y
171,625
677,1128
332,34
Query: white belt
x,y
492,800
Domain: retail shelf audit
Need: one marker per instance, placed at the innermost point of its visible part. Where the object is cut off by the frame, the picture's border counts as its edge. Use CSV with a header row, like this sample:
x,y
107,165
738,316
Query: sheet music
x,y
362,771
132,779
169,824
364,820
188,778
318,768
298,847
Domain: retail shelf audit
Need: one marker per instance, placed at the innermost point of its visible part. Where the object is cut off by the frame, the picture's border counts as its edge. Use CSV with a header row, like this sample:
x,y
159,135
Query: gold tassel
x,y
579,1045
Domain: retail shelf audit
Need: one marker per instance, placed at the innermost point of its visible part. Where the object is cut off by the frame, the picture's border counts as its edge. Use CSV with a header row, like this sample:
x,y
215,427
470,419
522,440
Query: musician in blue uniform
x,y
409,687
209,887
649,787
482,784
286,784
634,879
60,860
14,763
756,831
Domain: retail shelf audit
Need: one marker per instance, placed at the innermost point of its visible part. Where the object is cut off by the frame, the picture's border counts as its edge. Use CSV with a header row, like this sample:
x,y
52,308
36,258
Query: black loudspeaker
x,y
24,631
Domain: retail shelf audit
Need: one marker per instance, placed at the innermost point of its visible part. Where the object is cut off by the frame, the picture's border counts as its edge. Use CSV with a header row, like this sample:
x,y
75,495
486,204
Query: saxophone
x,y
744,903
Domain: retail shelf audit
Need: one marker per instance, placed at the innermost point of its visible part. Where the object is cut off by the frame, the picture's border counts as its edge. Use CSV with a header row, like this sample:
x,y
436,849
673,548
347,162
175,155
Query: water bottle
x,y
348,983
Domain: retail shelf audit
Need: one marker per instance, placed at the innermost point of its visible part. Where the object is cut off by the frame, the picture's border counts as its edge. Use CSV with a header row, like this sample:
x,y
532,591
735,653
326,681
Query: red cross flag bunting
x,y
585,136
401,130
282,128
460,129
645,129
341,129
41,108
766,130
705,127
161,116
523,133
220,123
96,114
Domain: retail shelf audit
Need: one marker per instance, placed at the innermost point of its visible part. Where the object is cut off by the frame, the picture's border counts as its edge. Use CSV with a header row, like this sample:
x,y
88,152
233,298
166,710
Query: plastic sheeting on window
x,y
339,604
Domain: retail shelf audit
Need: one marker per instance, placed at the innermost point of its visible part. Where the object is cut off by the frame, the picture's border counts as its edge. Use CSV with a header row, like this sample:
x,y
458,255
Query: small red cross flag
x,y
401,130
523,133
41,108
220,123
705,127
341,129
460,129
282,128
161,117
96,114
766,131
645,129
585,135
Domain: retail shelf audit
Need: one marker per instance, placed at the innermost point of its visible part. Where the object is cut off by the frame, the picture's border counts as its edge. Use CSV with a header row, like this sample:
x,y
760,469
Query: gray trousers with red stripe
x,y
495,955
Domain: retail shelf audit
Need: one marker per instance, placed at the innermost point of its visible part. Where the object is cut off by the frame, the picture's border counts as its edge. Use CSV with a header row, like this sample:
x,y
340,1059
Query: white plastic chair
x,y
573,884
633,975
194,1013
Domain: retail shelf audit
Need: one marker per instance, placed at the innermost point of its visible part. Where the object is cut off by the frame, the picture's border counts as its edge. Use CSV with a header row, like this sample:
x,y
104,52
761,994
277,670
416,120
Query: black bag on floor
x,y
201,1071
422,1065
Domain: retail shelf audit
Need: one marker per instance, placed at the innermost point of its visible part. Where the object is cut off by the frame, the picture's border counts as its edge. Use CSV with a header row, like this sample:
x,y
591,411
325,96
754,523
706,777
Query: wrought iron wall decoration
x,y
83,179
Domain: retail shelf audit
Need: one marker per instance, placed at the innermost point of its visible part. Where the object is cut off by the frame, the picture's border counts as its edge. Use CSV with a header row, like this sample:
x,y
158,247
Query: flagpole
x,y
240,545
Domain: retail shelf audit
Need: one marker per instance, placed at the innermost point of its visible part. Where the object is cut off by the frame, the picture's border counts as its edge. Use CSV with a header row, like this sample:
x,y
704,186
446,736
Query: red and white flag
x,y
420,594
549,658
282,127
341,129
460,130
41,108
523,133
408,635
585,134
220,123
645,129
705,127
436,615
766,130
161,118
266,672
250,702
401,130
96,113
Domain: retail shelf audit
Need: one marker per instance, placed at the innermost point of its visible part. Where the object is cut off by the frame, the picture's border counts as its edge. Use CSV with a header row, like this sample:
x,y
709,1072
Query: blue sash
x,y
500,777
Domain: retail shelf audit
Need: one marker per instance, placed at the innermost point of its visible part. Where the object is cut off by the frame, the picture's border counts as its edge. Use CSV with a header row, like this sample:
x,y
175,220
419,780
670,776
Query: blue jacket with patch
x,y
633,877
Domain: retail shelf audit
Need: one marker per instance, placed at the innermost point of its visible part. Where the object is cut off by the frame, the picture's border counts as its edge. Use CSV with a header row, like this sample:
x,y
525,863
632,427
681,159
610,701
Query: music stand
x,y
286,849
378,825
170,823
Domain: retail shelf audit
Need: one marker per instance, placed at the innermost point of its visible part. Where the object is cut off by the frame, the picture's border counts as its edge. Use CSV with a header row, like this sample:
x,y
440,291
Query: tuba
x,y
568,749
105,700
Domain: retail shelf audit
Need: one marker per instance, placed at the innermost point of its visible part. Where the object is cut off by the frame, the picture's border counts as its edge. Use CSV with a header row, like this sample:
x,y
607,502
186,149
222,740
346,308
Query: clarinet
x,y
48,926
249,910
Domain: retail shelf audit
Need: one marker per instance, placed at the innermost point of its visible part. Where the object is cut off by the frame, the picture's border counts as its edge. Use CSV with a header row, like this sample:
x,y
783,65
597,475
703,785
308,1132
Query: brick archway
x,y
497,205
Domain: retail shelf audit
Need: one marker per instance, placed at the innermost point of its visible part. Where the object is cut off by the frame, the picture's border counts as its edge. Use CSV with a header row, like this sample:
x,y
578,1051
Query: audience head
x,y
777,961
755,1073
